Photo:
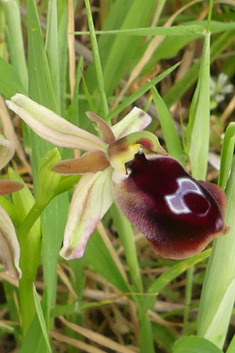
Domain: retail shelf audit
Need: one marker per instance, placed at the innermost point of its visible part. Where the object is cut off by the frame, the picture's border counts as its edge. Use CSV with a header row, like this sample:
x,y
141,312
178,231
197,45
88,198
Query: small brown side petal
x,y
9,186
90,162
107,134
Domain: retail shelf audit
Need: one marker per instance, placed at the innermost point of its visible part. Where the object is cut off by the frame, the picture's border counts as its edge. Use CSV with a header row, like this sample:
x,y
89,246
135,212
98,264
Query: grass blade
x,y
97,63
128,101
169,131
41,318
198,129
218,294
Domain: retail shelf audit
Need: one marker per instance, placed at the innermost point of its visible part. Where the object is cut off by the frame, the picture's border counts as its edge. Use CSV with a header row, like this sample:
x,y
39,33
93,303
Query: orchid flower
x,y
9,246
178,215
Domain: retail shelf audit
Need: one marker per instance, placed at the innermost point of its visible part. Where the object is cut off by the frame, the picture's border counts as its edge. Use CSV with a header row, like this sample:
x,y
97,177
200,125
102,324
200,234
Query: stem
x,y
30,220
125,233
188,296
30,245
27,306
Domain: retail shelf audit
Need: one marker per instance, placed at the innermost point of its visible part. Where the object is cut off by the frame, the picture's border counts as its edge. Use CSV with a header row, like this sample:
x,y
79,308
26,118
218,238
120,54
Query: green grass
x,y
111,293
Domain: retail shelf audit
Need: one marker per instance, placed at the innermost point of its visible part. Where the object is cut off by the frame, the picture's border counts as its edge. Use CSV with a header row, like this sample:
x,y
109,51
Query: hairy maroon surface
x,y
178,214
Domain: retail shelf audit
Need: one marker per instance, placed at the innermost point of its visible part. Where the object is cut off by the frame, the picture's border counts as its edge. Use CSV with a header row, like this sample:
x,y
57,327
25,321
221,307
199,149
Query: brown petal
x,y
107,134
90,162
9,186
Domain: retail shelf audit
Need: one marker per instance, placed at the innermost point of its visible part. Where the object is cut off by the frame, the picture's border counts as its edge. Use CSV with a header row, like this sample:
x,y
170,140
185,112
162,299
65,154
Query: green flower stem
x,y
26,300
125,233
188,296
29,261
30,219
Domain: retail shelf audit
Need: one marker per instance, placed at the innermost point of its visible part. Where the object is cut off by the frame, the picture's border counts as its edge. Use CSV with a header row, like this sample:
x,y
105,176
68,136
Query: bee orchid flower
x,y
178,215
9,246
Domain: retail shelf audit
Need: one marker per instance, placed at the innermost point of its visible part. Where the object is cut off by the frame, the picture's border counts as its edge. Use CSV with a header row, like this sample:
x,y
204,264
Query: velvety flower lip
x,y
9,246
178,215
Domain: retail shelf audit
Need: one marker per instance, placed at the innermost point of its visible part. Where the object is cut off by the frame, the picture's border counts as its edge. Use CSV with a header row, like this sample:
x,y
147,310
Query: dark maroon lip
x,y
178,214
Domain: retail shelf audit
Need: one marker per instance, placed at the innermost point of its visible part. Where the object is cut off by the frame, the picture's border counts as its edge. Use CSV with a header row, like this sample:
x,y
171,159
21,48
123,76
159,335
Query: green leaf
x,y
194,344
30,241
97,63
218,295
73,108
181,86
52,49
231,347
131,14
48,181
40,82
164,336
146,335
10,82
198,129
10,209
168,128
191,30
33,335
128,101
99,258
170,274
227,155
53,224
15,41
41,318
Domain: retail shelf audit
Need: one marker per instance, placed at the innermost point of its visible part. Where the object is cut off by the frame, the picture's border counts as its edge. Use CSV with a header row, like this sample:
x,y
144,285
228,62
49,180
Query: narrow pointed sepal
x,y
51,127
90,162
107,133
91,199
9,246
178,215
136,120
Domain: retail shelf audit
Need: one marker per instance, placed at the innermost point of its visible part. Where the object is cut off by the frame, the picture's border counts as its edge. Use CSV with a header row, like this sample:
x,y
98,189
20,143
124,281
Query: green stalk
x,y
97,62
218,291
30,220
26,299
199,128
188,296
126,235
29,261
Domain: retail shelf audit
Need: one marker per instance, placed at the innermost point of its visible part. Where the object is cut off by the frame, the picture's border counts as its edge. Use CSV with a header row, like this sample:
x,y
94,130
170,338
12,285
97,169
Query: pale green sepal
x,y
7,151
9,246
136,120
91,199
53,128
48,181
